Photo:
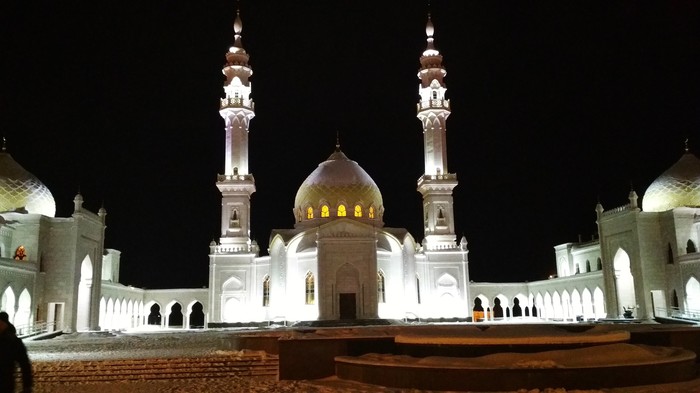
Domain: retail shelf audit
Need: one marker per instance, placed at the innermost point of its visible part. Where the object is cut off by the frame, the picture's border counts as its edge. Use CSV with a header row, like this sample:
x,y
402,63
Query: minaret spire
x,y
437,183
237,183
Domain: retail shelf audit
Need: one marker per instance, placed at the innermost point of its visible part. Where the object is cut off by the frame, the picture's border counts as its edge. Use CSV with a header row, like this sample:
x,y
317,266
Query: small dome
x,y
20,190
678,186
338,180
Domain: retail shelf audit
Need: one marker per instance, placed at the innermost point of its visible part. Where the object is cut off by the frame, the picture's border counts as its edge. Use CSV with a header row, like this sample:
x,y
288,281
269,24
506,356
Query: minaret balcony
x,y
434,104
248,177
237,102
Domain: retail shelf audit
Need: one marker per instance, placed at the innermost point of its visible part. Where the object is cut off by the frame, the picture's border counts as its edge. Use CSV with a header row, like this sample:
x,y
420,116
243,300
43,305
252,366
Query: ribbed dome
x,y
338,180
678,186
19,189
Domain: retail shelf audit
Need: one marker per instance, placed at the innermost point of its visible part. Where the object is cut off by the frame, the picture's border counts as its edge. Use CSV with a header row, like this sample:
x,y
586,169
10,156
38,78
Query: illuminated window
x,y
341,211
266,291
324,211
381,295
20,254
434,95
309,213
310,294
371,212
358,211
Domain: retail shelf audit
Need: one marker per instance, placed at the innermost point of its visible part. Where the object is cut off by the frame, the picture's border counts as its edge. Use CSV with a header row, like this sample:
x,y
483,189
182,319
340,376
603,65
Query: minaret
x,y
237,183
437,183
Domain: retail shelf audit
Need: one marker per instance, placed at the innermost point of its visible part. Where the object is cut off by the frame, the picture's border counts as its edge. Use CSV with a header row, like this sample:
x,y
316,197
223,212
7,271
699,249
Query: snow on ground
x,y
101,346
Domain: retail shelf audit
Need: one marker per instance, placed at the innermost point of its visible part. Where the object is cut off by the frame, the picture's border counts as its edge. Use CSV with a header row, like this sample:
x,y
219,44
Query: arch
x,y
587,303
342,211
7,303
103,314
576,305
358,211
24,308
538,306
599,303
566,304
588,266
84,291
548,307
309,213
154,316
624,281
692,295
325,211
109,313
347,279
447,284
310,289
196,315
563,267
690,247
600,264
371,212
175,316
233,284
556,305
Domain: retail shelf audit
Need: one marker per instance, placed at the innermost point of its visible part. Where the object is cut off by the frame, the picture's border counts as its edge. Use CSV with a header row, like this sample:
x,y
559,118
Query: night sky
x,y
555,105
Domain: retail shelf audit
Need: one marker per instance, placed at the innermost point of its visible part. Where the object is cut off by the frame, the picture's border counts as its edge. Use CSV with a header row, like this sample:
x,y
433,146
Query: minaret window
x,y
341,211
358,211
235,221
325,212
309,213
440,218
381,294
266,291
435,96
310,294
371,212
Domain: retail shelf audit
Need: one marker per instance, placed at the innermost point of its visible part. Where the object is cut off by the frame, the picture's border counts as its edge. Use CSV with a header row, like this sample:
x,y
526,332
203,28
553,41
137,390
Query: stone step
x,y
257,365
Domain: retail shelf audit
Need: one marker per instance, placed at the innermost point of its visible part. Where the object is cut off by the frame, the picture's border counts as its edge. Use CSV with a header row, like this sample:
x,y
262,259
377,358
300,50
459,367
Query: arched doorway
x,y
7,303
24,309
154,316
196,316
84,291
624,282
175,317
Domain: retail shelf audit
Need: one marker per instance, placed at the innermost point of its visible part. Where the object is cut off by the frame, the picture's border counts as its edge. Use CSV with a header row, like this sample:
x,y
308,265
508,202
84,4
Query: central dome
x,y
678,186
22,191
338,181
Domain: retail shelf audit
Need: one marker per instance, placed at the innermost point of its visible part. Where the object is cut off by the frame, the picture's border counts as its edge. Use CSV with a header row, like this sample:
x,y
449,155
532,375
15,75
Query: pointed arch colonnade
x,y
18,306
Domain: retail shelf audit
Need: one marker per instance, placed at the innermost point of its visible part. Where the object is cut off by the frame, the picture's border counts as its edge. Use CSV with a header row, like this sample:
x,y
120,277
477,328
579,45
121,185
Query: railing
x,y
237,103
616,210
34,329
440,104
248,177
676,312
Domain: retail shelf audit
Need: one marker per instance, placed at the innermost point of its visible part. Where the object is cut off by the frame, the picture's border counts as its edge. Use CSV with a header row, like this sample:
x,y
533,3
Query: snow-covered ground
x,y
187,344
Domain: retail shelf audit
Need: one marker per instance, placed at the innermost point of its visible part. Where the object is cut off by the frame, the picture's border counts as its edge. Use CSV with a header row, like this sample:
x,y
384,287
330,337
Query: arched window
x,y
371,212
358,211
418,288
341,211
310,294
600,264
669,255
309,213
266,291
235,221
435,95
325,212
588,266
381,294
690,247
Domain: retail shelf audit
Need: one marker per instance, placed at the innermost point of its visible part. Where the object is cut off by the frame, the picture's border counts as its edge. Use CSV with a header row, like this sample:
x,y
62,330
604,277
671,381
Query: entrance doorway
x,y
347,305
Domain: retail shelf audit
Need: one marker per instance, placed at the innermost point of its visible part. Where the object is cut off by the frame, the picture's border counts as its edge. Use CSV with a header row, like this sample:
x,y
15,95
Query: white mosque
x,y
340,261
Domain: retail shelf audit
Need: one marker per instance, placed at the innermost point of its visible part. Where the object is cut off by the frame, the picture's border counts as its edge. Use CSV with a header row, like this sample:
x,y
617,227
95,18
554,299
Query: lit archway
x,y
7,303
84,291
692,295
24,309
624,281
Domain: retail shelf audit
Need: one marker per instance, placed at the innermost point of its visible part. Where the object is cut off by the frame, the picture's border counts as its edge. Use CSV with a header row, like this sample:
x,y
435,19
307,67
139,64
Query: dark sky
x,y
555,105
